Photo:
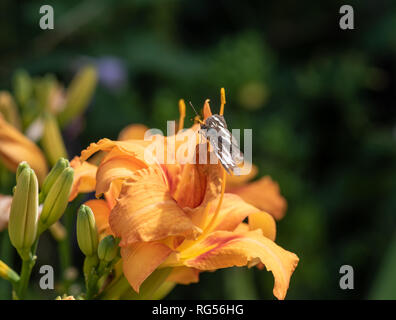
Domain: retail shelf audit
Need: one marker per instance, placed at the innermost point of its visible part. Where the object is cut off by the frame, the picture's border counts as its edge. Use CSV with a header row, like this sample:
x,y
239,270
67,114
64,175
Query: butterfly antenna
x,y
197,117
193,108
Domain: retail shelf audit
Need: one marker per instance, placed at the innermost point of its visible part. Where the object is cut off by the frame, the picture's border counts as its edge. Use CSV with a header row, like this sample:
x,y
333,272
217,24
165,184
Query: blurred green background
x,y
320,100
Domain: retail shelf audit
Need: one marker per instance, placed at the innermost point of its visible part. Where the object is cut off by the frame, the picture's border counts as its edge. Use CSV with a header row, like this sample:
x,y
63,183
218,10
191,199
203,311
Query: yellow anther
x,y
182,111
223,101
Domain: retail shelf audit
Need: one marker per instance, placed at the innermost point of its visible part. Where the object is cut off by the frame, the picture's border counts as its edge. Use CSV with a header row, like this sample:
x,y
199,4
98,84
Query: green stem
x,y
152,283
27,267
115,289
92,287
163,290
91,276
122,289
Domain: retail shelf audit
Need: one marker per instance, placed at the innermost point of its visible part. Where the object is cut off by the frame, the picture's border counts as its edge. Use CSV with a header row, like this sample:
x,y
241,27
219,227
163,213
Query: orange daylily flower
x,y
263,193
177,215
133,132
8,109
15,148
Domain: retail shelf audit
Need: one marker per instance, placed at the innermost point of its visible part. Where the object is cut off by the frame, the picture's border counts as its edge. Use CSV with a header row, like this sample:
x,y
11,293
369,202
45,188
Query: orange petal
x,y
84,177
5,207
15,148
133,148
265,222
173,175
234,181
133,132
112,194
224,249
122,160
141,259
184,142
190,189
184,275
9,110
101,211
265,195
180,145
243,227
145,211
194,184
213,174
206,110
116,165
232,212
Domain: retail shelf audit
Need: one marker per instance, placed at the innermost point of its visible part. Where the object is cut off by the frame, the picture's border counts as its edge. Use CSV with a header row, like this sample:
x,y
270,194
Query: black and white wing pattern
x,y
223,143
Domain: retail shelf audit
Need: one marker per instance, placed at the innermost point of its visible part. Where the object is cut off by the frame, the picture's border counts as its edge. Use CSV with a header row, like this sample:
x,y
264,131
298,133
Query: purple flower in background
x,y
112,72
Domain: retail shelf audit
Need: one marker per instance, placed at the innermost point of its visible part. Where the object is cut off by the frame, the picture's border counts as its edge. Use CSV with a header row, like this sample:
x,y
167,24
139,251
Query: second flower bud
x,y
87,234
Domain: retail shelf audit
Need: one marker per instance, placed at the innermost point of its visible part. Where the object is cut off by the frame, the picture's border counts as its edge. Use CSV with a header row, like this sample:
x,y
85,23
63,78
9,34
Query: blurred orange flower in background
x,y
15,148
5,207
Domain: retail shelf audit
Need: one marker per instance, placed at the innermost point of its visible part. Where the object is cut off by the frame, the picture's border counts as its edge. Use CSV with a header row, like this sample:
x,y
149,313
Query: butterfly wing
x,y
223,143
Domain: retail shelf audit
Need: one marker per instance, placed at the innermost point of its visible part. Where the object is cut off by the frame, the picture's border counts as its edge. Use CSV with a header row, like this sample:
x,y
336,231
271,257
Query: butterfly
x,y
224,145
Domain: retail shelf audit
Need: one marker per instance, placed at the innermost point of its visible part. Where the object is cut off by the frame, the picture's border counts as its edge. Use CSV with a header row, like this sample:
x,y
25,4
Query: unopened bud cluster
x,y
55,194
25,225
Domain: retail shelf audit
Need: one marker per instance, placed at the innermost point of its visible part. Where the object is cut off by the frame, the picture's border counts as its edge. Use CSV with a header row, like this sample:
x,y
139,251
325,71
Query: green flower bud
x,y
7,273
23,87
57,199
22,226
43,88
55,172
87,234
52,140
108,249
78,94
22,166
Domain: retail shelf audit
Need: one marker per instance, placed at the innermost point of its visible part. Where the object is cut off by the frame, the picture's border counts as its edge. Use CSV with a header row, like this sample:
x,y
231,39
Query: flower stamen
x,y
182,111
223,101
223,182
